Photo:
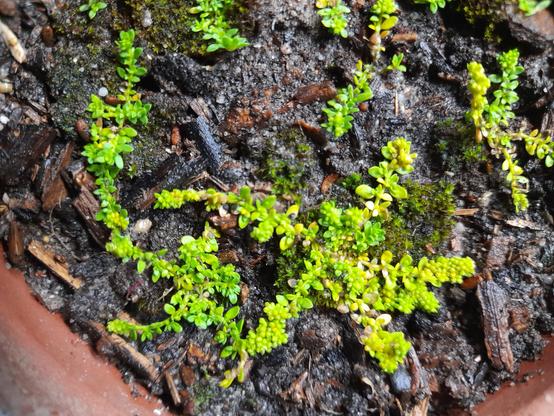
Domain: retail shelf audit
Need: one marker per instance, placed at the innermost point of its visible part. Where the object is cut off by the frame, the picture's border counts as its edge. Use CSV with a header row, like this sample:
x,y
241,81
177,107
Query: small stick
x,y
466,212
125,350
172,388
49,260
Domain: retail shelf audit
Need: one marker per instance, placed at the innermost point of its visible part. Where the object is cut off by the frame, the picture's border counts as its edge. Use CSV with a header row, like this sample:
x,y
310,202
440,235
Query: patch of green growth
x,y
92,7
382,19
212,22
492,118
331,252
424,219
434,5
530,7
396,63
334,16
171,24
287,178
340,111
351,182
488,12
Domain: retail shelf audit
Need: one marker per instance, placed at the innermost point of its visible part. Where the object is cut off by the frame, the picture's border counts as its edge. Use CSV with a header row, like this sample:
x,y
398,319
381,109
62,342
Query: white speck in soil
x,y
103,92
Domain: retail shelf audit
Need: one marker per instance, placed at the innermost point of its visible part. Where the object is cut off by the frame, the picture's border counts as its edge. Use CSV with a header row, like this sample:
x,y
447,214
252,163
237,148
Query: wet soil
x,y
252,100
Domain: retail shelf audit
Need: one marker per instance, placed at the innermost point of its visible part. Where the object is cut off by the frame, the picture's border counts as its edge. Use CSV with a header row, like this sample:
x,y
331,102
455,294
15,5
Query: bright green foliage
x,y
109,143
396,63
530,7
329,260
382,21
478,86
491,119
538,145
499,110
334,16
434,5
212,22
340,110
399,161
92,7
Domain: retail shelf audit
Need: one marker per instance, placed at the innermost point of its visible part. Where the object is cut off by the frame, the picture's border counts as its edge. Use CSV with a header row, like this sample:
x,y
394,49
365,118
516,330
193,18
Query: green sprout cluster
x,y
382,21
396,63
212,22
334,16
530,7
92,7
434,5
340,110
492,118
334,260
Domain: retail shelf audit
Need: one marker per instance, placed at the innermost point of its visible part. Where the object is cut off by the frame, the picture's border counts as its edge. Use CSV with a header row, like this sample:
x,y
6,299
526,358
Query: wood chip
x,y
521,223
494,314
466,212
87,206
404,37
51,185
15,243
48,258
188,376
328,182
312,93
126,352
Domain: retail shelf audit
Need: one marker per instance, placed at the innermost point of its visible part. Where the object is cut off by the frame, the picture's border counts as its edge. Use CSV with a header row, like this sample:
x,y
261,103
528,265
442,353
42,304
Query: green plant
x,y
491,120
92,7
530,7
434,5
396,63
212,22
329,258
382,21
340,110
334,16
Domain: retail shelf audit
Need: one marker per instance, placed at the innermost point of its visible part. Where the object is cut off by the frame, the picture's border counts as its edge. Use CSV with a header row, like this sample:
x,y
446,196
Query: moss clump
x,y
457,148
487,12
287,161
171,22
421,220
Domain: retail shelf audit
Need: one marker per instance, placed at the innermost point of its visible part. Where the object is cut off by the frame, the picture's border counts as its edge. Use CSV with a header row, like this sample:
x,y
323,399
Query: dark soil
x,y
252,101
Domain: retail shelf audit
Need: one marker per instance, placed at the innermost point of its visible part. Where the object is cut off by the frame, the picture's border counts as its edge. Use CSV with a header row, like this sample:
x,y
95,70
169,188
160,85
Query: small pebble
x,y
142,226
4,119
147,19
220,99
286,49
103,92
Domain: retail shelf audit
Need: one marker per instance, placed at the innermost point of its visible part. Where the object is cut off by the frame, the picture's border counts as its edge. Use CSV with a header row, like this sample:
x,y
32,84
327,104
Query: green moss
x,y
421,220
487,12
287,160
171,25
457,147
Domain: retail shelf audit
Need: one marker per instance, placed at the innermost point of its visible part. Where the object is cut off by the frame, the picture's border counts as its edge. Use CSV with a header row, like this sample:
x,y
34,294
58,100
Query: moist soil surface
x,y
254,101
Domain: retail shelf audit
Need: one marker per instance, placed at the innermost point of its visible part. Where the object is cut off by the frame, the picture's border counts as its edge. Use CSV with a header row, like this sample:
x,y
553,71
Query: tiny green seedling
x,y
340,111
212,22
434,5
334,16
382,21
92,7
396,63
530,7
